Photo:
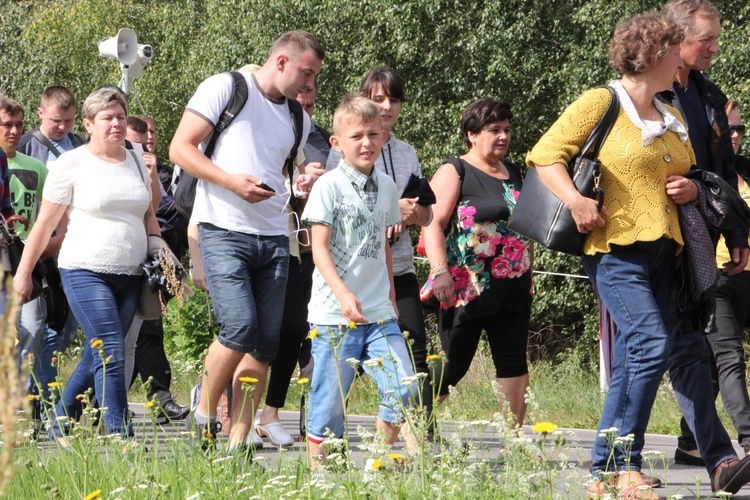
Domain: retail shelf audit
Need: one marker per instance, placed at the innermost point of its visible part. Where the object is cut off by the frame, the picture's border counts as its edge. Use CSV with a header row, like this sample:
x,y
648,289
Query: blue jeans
x,y
55,342
104,305
331,378
690,372
246,276
635,283
32,327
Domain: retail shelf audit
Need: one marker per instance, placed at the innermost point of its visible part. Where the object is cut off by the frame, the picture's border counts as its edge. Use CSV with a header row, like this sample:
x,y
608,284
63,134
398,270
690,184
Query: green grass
x,y
565,392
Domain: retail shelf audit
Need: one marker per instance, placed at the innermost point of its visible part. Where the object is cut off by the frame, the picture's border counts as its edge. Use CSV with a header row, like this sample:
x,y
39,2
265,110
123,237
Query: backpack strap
x,y
47,143
236,102
296,110
184,184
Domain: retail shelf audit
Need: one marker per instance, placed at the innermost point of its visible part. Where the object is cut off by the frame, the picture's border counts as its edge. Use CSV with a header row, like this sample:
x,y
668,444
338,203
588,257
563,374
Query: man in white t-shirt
x,y
240,206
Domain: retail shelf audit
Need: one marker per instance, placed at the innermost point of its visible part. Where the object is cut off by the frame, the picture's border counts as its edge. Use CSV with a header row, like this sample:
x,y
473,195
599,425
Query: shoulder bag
x,y
541,216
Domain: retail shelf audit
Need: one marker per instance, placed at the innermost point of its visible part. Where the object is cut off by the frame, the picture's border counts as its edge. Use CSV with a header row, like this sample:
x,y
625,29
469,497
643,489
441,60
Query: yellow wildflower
x,y
32,397
396,456
352,325
303,381
313,333
431,358
376,464
53,385
96,343
93,495
544,428
150,404
248,380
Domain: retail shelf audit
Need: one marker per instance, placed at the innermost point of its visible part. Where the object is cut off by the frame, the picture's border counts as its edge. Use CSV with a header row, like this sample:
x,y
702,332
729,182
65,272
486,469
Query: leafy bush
x,y
190,329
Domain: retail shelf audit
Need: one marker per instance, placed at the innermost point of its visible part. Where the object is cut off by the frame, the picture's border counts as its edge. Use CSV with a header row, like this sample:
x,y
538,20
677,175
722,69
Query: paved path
x,y
678,480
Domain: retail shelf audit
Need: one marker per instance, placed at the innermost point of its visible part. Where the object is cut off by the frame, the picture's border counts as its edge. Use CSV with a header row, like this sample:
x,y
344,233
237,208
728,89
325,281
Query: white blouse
x,y
106,207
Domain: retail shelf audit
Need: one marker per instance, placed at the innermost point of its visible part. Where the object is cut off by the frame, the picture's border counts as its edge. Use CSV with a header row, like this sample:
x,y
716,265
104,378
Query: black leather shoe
x,y
170,412
682,457
731,475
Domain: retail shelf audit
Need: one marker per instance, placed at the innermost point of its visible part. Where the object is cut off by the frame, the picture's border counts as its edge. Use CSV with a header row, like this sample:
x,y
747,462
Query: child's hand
x,y
304,184
351,308
305,181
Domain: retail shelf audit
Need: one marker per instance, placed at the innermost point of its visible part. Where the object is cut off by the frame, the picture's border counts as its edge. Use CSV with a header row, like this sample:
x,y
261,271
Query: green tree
x,y
539,55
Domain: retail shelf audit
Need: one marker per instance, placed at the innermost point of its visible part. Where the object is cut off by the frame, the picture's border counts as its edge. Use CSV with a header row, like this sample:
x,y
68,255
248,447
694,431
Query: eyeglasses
x,y
740,129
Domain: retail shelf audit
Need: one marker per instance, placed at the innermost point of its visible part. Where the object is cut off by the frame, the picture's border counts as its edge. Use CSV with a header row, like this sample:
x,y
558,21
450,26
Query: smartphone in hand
x,y
265,186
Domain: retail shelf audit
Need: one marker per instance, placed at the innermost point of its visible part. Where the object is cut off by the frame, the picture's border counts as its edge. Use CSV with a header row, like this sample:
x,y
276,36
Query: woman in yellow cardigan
x,y
630,252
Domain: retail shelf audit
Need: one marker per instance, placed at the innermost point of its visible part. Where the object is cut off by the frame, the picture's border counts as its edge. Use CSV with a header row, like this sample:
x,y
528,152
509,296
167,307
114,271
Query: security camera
x,y
145,54
145,51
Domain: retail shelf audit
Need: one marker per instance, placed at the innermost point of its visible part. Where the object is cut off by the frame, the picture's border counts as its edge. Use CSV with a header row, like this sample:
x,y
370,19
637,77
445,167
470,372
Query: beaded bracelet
x,y
438,273
444,263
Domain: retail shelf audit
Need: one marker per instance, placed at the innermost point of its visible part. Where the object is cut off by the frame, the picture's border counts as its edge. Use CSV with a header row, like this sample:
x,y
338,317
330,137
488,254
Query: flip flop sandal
x,y
597,488
638,492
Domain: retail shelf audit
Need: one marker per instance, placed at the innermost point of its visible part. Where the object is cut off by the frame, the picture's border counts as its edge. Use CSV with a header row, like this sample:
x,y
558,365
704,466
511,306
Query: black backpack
x,y
185,183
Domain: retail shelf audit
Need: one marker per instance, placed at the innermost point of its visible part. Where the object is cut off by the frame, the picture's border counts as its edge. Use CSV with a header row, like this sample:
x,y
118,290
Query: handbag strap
x,y
595,141
140,172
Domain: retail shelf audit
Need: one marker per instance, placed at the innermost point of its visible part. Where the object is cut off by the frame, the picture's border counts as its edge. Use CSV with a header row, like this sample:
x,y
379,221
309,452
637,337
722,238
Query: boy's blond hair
x,y
354,107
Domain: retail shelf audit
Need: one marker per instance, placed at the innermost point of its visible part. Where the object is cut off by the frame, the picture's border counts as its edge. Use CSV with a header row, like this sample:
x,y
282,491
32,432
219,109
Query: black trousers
x,y
294,329
728,357
411,319
151,361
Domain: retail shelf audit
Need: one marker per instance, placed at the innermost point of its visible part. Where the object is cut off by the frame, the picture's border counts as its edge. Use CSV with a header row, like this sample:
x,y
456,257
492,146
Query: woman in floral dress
x,y
480,271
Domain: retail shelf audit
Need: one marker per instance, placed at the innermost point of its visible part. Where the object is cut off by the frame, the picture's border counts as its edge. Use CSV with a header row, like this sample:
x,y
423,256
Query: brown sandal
x,y
640,491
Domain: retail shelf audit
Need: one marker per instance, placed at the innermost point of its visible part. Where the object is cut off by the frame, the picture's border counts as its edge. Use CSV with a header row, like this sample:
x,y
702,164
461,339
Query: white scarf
x,y
649,129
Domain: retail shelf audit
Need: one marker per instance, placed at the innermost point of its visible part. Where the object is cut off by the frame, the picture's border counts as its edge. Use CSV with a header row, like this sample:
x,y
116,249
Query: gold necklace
x,y
643,111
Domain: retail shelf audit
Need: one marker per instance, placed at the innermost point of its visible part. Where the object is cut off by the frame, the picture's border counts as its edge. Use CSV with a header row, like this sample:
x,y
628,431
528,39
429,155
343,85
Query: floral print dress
x,y
488,262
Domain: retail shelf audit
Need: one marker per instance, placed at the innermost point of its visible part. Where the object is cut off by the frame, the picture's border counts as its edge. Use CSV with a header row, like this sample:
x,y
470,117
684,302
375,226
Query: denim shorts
x,y
246,276
373,341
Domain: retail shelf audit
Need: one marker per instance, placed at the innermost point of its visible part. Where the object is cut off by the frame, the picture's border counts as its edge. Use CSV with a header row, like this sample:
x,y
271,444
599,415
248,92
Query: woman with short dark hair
x,y
481,271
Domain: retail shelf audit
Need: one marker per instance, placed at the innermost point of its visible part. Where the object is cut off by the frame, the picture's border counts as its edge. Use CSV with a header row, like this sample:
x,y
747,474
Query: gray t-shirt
x,y
398,160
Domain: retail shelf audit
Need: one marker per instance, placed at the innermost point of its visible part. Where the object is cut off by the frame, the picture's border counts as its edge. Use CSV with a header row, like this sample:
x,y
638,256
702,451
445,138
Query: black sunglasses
x,y
740,129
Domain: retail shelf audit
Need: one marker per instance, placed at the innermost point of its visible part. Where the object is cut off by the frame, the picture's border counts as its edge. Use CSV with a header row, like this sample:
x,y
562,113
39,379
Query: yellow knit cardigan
x,y
633,176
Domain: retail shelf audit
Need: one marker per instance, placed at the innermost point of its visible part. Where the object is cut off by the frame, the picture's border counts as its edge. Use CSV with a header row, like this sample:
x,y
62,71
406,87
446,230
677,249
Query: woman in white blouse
x,y
105,192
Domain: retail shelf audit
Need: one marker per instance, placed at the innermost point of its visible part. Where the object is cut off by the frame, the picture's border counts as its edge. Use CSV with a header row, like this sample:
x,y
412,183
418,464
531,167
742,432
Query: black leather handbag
x,y
541,216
